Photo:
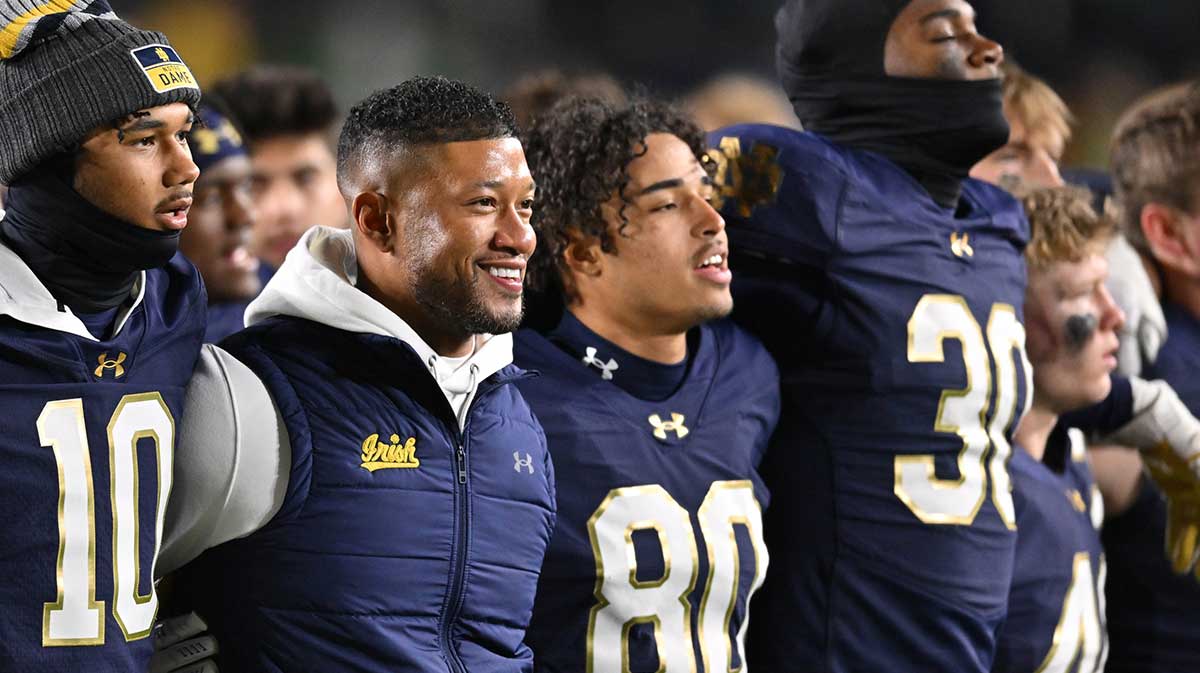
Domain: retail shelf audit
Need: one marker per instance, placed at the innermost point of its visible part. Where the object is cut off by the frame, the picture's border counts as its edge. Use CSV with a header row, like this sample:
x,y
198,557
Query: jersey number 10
x,y
964,412
77,618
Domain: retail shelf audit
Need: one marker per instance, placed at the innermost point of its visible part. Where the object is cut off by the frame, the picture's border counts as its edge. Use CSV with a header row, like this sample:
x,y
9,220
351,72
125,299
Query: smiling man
x,y
361,433
888,285
657,413
100,326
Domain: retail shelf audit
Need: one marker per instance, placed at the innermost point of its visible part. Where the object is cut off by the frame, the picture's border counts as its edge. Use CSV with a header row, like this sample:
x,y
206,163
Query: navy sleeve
x,y
779,191
1104,417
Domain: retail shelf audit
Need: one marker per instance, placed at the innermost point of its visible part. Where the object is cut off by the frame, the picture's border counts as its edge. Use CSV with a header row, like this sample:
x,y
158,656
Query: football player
x,y
100,325
289,119
357,441
889,287
656,412
1153,597
1055,608
1150,411
1039,128
221,218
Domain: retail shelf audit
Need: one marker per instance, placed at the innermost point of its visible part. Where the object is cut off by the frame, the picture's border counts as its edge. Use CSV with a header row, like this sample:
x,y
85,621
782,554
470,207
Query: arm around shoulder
x,y
231,464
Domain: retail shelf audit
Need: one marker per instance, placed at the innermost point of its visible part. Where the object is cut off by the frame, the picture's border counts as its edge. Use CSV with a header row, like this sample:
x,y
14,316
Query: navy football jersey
x,y
1153,613
897,327
224,319
658,544
87,439
1055,618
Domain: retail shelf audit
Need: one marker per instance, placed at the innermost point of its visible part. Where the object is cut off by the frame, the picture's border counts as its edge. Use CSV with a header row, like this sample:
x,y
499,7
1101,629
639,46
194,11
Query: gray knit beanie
x,y
70,66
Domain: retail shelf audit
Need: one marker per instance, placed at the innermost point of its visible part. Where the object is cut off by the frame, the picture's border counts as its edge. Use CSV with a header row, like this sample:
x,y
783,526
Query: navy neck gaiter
x,y
88,259
831,64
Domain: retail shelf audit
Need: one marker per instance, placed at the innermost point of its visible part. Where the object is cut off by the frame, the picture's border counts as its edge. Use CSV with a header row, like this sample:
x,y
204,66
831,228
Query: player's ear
x,y
583,254
1172,241
372,220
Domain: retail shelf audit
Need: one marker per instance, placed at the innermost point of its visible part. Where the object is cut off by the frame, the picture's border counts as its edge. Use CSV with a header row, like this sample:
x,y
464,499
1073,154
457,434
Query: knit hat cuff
x,y
55,93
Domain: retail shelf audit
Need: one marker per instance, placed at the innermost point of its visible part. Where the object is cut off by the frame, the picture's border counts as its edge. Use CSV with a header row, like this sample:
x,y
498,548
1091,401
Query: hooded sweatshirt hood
x,y
317,282
831,63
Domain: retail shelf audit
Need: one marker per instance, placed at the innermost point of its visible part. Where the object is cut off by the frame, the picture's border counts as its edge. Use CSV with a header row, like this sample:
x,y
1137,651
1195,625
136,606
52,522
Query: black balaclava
x,y
88,259
831,63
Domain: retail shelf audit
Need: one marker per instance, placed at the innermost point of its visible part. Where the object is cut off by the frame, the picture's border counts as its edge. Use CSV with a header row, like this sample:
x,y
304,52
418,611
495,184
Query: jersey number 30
x,y
965,412
624,601
77,618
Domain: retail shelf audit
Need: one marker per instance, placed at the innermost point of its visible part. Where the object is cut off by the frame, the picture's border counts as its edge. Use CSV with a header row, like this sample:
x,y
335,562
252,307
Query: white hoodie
x,y
234,455
317,282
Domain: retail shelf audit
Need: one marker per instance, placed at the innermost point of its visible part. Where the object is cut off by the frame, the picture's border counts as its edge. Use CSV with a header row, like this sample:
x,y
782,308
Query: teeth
x,y
501,272
715,260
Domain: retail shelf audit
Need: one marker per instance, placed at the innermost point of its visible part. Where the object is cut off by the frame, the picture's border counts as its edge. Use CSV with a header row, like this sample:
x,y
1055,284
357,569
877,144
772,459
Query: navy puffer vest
x,y
403,544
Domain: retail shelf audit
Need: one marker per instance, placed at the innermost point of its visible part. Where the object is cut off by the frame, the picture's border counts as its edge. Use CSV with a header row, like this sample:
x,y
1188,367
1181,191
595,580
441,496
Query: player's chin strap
x,y
1168,436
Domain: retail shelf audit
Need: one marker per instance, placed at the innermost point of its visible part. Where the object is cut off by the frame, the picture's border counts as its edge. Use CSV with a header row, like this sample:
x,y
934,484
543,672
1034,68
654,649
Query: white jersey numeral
x,y
76,617
1080,634
964,412
623,601
727,503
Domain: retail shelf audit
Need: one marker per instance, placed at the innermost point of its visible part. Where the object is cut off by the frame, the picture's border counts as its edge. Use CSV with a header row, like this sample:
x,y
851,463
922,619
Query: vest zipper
x,y
454,605
462,506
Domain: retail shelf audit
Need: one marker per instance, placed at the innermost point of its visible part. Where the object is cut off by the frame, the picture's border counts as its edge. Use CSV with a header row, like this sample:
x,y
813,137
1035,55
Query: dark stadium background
x,y
1099,54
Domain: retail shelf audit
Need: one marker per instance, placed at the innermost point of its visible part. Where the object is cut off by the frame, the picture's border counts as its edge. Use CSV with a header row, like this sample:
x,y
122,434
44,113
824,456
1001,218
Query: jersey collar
x,y
24,298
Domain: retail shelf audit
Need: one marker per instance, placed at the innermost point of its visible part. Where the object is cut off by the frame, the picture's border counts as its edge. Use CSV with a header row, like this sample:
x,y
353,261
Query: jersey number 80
x,y
623,601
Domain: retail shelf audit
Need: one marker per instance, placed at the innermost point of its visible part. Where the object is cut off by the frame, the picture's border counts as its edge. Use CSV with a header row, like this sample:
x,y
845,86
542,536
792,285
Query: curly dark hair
x,y
536,93
277,100
419,111
579,154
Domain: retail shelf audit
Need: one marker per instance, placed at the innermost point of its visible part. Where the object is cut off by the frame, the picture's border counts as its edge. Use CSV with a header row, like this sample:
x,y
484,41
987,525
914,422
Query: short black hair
x,y
276,100
419,111
579,153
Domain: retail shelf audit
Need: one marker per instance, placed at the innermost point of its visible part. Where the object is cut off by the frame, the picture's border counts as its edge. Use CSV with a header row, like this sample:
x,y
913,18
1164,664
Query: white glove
x,y
1169,438
181,646
1145,328
1161,418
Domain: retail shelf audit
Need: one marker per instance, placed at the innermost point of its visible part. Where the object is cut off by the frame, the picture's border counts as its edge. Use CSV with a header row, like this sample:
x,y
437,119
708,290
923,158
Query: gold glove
x,y
1176,477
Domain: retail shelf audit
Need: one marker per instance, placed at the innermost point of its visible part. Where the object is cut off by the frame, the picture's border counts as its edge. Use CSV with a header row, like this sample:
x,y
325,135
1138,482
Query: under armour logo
x,y
960,245
527,463
606,368
161,54
675,425
115,365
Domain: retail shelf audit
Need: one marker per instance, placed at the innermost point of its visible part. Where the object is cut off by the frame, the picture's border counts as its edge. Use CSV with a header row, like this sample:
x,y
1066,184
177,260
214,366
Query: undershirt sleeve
x,y
232,461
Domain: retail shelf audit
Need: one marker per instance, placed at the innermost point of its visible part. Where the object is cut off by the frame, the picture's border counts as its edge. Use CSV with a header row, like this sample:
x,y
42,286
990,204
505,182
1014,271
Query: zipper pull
x,y
462,465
